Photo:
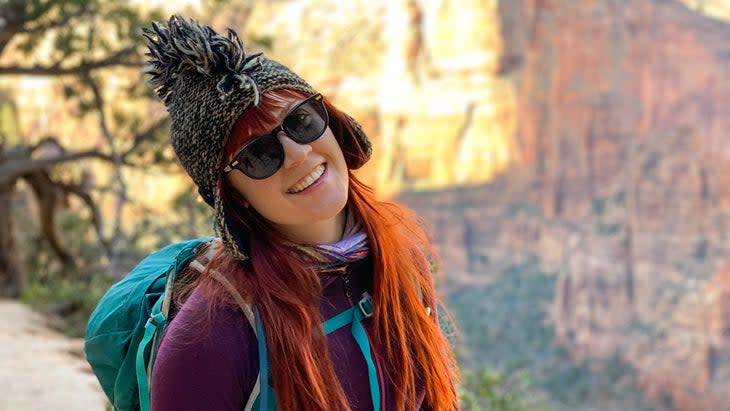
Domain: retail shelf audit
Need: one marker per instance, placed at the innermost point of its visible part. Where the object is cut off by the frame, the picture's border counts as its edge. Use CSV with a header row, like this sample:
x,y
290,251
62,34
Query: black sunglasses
x,y
262,157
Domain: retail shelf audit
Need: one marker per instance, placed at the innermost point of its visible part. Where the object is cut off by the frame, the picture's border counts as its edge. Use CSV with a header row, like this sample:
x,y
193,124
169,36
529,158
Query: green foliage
x,y
505,322
490,391
72,26
190,218
68,293
599,205
92,49
194,215
651,163
701,249
9,131
620,198
529,208
637,325
265,42
69,300
505,328
608,229
96,40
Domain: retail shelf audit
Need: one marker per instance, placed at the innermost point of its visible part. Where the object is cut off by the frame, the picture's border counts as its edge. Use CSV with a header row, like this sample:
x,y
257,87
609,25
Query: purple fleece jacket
x,y
210,363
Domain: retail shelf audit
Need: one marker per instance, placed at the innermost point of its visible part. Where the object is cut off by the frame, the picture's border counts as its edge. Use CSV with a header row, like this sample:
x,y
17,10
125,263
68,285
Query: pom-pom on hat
x,y
206,81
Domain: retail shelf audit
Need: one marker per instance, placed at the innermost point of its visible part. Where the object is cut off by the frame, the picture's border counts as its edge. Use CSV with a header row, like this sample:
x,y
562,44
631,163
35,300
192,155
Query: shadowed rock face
x,y
623,117
594,76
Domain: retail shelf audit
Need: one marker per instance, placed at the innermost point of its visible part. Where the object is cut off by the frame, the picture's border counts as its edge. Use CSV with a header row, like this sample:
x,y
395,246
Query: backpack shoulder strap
x,y
146,350
196,264
201,266
355,316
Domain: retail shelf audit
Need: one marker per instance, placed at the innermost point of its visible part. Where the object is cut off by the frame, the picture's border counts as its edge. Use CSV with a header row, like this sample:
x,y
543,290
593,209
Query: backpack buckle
x,y
366,305
156,319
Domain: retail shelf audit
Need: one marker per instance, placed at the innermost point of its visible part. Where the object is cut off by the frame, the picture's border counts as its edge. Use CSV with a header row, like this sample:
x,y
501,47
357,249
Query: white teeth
x,y
307,181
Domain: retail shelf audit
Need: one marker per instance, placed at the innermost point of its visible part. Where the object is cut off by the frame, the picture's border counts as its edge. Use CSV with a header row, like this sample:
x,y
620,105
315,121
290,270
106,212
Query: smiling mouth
x,y
308,180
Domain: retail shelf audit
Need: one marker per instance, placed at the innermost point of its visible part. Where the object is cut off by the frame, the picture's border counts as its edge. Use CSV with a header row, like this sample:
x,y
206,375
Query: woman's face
x,y
304,200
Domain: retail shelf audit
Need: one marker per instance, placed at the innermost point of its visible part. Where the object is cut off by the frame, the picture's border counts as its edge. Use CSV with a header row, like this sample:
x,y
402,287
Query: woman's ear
x,y
236,196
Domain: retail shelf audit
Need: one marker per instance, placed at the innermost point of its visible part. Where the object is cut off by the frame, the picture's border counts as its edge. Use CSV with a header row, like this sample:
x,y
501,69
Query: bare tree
x,y
90,38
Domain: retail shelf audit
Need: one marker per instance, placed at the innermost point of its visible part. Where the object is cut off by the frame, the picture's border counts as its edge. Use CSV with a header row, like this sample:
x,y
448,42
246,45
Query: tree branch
x,y
117,59
13,169
13,17
146,135
47,196
96,219
62,21
46,141
17,160
116,158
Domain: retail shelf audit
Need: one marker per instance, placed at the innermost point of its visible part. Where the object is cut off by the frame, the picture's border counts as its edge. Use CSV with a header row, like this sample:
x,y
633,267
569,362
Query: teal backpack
x,y
123,331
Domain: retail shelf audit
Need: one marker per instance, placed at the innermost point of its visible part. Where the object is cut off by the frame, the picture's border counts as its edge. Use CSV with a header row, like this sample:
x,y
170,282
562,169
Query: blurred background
x,y
571,158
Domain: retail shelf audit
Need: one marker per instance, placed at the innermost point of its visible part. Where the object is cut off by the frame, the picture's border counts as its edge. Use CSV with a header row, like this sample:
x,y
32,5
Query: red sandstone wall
x,y
623,122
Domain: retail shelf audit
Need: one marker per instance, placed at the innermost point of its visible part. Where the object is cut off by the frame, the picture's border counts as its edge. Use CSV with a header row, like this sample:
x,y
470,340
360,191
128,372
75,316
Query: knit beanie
x,y
206,81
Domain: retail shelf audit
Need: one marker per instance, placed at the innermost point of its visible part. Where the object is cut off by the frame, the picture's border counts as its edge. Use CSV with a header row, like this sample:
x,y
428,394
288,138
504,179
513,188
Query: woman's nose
x,y
294,153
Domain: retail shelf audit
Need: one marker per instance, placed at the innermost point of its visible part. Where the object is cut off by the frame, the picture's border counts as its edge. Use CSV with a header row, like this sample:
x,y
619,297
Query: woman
x,y
302,241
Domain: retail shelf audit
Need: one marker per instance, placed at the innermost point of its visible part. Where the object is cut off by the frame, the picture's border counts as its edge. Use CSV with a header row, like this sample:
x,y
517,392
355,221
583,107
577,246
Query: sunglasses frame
x,y
275,132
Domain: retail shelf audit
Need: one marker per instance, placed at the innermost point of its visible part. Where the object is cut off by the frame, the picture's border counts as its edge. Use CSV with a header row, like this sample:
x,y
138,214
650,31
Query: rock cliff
x,y
423,76
622,188
622,123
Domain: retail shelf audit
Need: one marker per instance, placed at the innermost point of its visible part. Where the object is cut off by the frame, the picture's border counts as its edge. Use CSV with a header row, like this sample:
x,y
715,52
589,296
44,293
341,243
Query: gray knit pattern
x,y
206,81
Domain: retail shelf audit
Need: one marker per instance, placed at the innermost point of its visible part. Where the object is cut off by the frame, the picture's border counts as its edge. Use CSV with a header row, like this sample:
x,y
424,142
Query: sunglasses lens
x,y
306,122
262,158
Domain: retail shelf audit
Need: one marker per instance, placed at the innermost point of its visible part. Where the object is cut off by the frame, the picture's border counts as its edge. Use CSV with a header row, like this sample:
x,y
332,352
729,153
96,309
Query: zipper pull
x,y
346,280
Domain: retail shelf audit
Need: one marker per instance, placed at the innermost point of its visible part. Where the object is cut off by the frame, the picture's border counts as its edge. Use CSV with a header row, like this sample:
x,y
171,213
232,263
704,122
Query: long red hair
x,y
286,293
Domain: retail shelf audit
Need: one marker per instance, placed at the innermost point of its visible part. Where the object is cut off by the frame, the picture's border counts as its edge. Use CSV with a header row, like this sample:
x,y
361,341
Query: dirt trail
x,y
38,367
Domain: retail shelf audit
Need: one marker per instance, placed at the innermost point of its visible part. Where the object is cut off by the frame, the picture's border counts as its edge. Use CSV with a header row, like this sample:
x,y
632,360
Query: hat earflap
x,y
231,232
